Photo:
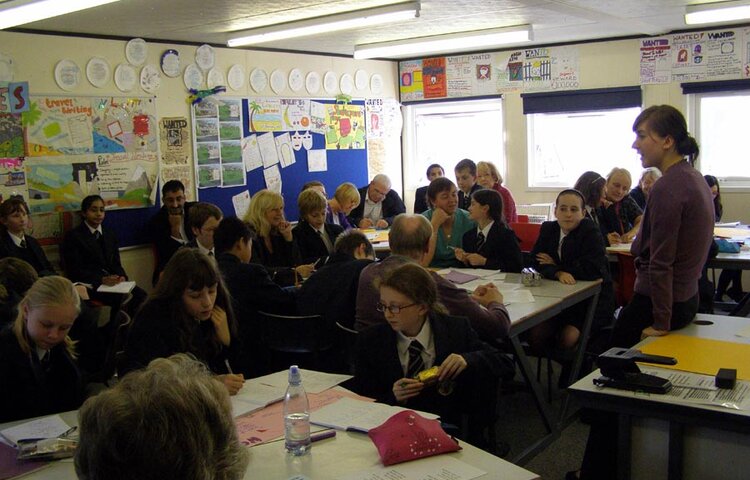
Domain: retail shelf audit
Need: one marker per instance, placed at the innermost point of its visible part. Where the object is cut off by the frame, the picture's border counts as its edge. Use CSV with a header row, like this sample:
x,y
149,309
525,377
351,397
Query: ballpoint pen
x,y
322,436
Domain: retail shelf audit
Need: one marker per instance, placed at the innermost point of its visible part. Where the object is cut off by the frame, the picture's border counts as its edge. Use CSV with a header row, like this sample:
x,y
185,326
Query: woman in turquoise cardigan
x,y
449,223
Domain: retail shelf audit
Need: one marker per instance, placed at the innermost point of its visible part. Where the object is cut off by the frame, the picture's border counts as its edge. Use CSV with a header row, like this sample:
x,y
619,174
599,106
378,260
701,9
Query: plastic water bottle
x,y
296,415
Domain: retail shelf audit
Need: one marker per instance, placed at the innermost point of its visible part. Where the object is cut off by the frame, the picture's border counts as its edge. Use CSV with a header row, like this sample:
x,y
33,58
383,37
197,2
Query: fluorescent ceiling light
x,y
454,42
20,12
328,24
717,12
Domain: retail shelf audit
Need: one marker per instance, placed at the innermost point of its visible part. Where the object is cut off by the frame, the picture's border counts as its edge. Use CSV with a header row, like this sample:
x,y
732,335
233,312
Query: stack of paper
x,y
46,427
351,414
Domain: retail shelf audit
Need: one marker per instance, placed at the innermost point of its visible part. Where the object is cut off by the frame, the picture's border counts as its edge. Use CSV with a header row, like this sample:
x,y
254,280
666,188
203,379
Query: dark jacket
x,y
392,206
31,390
638,196
33,253
500,248
311,246
161,237
420,200
281,262
378,365
332,290
157,332
464,200
252,290
87,259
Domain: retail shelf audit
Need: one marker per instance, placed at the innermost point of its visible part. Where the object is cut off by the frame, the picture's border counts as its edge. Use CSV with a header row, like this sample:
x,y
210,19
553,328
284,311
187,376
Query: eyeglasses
x,y
394,309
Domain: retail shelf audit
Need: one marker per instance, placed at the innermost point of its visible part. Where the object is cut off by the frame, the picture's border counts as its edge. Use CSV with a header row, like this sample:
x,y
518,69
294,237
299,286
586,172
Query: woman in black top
x,y
38,373
188,312
498,248
14,242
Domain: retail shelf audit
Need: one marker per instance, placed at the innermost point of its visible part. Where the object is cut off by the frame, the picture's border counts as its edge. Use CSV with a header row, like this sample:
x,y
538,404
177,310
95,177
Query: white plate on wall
x,y
361,79
136,51
236,76
150,78
346,84
67,75
193,77
98,72
330,82
170,63
215,78
376,84
258,79
205,57
278,81
125,77
312,83
296,80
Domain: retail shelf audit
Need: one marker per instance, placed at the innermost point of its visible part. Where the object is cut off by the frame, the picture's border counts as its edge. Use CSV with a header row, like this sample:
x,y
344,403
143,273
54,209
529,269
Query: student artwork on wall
x,y
218,135
345,127
78,146
696,56
175,153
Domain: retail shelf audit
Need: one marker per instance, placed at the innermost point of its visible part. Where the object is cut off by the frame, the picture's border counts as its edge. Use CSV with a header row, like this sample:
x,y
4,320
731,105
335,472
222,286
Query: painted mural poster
x,y
656,54
433,78
12,178
410,80
537,69
124,125
11,135
470,75
345,127
265,115
59,126
295,114
374,116
59,183
317,117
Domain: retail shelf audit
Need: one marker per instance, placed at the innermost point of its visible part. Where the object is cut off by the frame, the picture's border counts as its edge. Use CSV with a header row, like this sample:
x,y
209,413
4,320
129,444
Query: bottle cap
x,y
294,374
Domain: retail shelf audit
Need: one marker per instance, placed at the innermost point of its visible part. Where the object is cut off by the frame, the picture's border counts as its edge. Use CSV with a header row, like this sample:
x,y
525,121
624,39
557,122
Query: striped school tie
x,y
416,364
480,240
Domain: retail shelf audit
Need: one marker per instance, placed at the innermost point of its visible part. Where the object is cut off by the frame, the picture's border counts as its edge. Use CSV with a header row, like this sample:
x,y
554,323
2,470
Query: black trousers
x,y
638,314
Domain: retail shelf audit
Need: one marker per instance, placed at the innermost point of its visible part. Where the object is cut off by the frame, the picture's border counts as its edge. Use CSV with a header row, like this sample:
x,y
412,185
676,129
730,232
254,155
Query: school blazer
x,y
33,254
392,206
420,200
311,246
500,248
160,233
378,364
87,259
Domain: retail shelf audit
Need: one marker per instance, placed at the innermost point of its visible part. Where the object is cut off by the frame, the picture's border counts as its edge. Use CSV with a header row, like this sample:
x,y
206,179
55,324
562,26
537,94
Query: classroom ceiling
x,y
212,21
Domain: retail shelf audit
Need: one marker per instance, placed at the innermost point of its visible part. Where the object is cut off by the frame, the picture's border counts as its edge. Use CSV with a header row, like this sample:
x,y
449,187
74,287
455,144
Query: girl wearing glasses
x,y
420,335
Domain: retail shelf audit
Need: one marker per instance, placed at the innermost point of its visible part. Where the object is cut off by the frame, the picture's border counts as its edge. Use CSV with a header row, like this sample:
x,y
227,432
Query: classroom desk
x,y
347,453
661,437
551,298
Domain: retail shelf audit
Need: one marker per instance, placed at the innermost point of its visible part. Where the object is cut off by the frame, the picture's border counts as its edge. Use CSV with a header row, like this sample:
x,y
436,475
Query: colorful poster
x,y
317,117
121,125
374,116
433,78
410,80
175,141
346,127
470,75
12,178
59,126
14,97
746,56
218,148
656,54
264,115
698,56
295,114
11,135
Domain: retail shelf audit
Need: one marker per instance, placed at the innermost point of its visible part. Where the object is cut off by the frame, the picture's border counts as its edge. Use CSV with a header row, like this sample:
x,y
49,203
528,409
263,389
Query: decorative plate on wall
x,y
296,80
170,63
330,82
312,83
136,51
67,74
98,72
205,57
125,77
258,79
150,78
346,84
236,76
193,77
278,81
361,79
216,78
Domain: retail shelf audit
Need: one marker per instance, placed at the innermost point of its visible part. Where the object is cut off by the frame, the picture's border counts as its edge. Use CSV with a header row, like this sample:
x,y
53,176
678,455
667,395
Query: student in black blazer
x,y
314,237
169,227
91,255
14,242
419,335
420,196
567,250
377,192
492,245
251,289
38,372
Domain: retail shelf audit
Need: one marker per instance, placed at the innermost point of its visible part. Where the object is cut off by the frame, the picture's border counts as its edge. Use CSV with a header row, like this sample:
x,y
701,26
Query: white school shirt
x,y
425,338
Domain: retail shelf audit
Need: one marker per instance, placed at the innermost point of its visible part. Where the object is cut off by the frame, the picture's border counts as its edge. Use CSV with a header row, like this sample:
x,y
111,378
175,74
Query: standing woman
x,y
275,247
641,191
449,223
91,255
420,196
728,276
38,372
488,176
676,233
14,242
188,312
345,198
622,217
492,244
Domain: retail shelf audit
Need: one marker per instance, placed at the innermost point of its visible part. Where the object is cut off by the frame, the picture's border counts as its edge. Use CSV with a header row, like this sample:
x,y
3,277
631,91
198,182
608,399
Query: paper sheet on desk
x,y
122,287
737,398
255,395
315,382
440,467
352,414
45,427
701,355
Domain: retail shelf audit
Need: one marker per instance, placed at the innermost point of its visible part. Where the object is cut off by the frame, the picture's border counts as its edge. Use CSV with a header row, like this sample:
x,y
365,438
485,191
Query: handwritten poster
x,y
265,115
374,115
295,113
346,127
12,178
433,78
175,141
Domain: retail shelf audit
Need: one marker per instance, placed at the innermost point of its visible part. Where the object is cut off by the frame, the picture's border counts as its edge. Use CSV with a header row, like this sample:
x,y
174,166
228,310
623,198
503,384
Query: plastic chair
x,y
523,218
625,278
347,341
527,234
302,339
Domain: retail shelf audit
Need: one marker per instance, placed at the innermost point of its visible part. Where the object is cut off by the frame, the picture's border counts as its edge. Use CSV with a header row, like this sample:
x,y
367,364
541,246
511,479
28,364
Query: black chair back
x,y
304,340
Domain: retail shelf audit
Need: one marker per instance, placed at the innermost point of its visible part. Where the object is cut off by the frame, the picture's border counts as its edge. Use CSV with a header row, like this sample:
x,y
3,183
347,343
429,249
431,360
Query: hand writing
x,y
305,270
381,224
111,280
614,238
233,382
365,223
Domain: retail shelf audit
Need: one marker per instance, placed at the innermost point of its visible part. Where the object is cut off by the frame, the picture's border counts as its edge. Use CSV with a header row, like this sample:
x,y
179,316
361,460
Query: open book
x,y
356,415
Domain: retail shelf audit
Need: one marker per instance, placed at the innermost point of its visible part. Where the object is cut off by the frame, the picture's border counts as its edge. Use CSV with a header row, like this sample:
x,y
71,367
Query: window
x,y
447,132
564,145
718,121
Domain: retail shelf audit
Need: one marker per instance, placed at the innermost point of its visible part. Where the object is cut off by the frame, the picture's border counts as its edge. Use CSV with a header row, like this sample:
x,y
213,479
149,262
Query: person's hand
x,y
606,203
628,237
439,217
111,280
460,254
365,223
221,325
486,294
175,221
233,382
653,332
381,224
451,367
305,270
566,278
285,229
545,259
476,260
614,238
407,388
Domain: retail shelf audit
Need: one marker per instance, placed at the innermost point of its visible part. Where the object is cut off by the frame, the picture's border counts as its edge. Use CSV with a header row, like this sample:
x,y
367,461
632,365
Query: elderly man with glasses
x,y
378,205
